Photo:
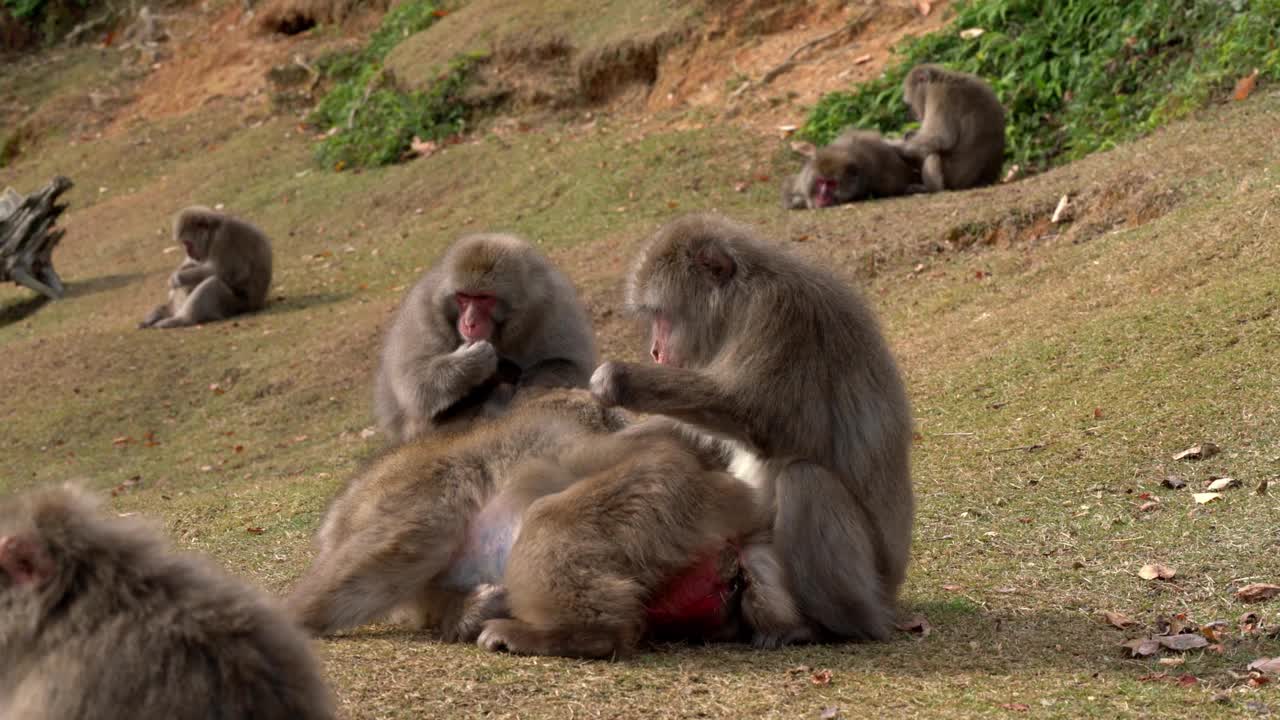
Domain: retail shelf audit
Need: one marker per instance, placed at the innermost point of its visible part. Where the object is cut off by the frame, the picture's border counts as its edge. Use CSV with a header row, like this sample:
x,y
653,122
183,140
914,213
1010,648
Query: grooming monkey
x,y
960,143
857,165
100,621
227,270
493,315
787,366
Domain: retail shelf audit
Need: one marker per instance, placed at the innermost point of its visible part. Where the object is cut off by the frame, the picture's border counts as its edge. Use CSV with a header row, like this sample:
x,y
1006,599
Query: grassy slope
x,y
1112,349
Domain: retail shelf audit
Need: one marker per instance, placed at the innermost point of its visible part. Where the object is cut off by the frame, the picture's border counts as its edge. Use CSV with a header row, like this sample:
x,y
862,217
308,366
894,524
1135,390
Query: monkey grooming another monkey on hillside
x,y
100,621
227,270
857,165
960,143
782,361
493,315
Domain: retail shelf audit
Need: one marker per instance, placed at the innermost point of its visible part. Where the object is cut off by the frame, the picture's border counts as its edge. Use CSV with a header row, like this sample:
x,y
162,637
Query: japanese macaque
x,y
227,270
960,143
781,361
99,620
492,316
426,530
857,165
641,520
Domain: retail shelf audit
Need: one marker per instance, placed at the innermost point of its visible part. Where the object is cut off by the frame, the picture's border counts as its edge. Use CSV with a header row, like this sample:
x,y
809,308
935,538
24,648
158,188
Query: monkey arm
x,y
191,275
440,381
686,395
930,139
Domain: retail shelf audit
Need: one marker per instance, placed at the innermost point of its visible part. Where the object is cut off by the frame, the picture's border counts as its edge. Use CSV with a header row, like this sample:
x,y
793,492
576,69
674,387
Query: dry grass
x,y
1055,370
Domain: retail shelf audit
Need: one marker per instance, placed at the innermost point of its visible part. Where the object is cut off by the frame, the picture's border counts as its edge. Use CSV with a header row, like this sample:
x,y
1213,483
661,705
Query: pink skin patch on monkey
x,y
475,321
661,349
824,192
695,599
23,562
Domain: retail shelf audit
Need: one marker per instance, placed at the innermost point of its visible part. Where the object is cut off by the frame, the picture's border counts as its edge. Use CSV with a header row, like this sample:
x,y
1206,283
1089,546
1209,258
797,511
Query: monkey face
x,y
824,192
24,562
476,315
661,349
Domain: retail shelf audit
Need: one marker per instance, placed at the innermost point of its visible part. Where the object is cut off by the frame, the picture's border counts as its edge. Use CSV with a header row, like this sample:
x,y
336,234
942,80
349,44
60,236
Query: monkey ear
x,y
716,262
23,561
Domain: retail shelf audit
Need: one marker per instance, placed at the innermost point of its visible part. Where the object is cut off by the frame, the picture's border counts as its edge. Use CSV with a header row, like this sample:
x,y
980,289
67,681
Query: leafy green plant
x,y
384,120
376,120
53,18
1080,75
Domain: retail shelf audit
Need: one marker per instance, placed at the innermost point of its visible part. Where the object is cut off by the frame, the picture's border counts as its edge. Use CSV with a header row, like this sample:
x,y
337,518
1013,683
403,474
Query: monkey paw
x,y
606,383
486,603
482,358
493,637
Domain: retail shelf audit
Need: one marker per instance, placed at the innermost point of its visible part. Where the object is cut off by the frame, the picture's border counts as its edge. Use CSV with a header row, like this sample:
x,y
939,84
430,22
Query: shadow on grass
x,y
81,288
16,312
292,303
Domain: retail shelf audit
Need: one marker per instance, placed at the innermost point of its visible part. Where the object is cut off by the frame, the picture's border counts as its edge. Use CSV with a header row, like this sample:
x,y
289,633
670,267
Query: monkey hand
x,y
607,383
480,360
175,281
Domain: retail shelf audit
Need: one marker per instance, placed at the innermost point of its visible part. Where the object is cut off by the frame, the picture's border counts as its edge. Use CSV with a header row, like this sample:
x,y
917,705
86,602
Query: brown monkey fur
x,y
525,325
960,143
857,165
227,270
100,621
427,528
591,559
784,362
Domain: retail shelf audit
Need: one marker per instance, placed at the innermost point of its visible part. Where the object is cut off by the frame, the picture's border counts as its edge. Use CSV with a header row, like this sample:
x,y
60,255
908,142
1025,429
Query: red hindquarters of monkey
x,y
635,547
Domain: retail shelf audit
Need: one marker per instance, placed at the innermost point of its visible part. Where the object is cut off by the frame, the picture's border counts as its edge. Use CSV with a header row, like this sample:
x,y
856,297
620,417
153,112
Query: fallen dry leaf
x,y
1225,483
952,588
1203,451
421,148
1188,680
739,187
1270,666
1250,623
971,33
122,440
822,677
862,59
1173,482
1141,647
1245,85
1062,213
1149,506
1262,486
1205,498
1118,620
924,6
253,530
1153,571
830,713
1257,592
1183,642
1171,661
917,625
1016,707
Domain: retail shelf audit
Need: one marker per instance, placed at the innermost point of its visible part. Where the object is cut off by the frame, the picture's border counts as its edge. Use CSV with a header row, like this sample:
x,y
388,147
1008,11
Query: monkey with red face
x,y
493,315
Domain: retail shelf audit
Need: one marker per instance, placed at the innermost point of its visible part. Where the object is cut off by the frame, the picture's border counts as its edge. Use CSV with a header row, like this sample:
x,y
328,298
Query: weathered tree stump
x,y
27,237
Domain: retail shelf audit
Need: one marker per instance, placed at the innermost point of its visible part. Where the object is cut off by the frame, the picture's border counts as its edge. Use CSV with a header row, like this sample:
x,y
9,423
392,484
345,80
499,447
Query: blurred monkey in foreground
x,y
100,621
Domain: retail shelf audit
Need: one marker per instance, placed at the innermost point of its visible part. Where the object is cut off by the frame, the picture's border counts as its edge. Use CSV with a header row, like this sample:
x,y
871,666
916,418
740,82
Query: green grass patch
x,y
1077,76
375,117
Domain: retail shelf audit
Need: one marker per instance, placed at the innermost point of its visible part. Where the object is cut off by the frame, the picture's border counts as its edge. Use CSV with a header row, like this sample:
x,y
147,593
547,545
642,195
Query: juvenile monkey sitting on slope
x,y
227,270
